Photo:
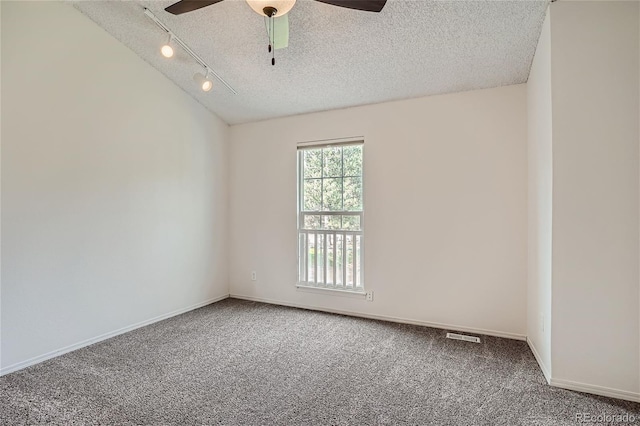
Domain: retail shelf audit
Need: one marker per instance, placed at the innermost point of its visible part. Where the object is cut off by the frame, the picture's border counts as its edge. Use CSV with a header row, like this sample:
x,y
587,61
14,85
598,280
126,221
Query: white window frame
x,y
357,287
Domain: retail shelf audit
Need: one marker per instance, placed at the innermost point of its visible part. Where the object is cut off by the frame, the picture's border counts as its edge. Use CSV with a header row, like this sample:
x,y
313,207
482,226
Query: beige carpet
x,y
244,363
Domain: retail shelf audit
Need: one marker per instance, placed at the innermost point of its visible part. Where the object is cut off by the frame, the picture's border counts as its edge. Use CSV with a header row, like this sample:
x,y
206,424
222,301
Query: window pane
x,y
358,261
311,259
353,194
332,166
339,247
332,194
312,194
320,253
312,163
331,222
302,257
350,258
351,223
311,221
331,254
352,160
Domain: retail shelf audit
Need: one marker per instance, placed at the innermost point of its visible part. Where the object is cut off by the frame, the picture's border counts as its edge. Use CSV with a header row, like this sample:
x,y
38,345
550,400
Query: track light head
x,y
206,82
203,81
166,49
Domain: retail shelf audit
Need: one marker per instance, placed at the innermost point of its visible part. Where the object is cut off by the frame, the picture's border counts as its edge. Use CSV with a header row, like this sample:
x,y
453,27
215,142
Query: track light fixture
x,y
204,81
167,50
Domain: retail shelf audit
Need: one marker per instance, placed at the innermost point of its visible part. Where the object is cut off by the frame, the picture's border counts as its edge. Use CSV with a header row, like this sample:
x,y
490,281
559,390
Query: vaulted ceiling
x,y
336,57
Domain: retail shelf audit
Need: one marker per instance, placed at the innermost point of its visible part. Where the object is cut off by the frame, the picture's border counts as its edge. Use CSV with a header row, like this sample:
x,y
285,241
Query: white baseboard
x,y
105,336
597,390
545,370
581,387
386,318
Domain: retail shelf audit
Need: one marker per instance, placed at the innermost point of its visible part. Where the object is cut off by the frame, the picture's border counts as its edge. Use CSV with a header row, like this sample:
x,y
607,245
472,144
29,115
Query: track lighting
x,y
167,50
203,81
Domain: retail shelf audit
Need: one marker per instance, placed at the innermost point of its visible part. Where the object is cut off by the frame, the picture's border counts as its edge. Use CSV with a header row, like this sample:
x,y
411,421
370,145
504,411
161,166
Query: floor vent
x,y
463,337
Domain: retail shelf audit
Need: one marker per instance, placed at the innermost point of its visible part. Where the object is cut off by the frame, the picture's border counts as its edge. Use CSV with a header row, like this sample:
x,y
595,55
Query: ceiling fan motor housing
x,y
281,7
270,11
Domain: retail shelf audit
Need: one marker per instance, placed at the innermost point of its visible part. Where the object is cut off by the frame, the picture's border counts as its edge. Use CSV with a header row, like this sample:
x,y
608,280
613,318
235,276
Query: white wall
x,y
539,126
445,208
0,190
114,186
594,53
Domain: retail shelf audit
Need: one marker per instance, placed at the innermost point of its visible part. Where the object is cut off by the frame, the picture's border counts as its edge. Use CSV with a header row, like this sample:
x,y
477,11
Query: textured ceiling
x,y
336,57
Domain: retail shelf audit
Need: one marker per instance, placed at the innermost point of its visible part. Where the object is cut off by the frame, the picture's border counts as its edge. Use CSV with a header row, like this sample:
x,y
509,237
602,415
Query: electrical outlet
x,y
370,296
254,276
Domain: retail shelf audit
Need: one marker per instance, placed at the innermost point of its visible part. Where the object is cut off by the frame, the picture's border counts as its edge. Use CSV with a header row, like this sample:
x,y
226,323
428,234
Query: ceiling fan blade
x,y
185,6
366,5
281,31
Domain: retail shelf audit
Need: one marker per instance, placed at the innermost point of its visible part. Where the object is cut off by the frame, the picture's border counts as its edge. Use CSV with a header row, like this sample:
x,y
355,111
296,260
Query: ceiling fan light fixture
x,y
282,7
203,81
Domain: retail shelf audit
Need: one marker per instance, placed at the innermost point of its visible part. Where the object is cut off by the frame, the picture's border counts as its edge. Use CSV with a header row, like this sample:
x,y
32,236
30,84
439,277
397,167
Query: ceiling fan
x,y
276,11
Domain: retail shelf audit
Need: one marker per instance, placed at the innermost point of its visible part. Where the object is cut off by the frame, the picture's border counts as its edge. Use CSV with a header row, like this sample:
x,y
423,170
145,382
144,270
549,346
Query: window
x,y
330,216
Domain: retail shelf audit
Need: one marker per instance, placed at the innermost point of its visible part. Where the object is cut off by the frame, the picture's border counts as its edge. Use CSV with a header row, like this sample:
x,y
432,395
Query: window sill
x,y
331,291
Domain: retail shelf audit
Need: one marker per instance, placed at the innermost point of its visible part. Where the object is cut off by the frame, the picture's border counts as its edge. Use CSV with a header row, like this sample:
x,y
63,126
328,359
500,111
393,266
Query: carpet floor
x,y
245,363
